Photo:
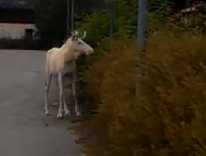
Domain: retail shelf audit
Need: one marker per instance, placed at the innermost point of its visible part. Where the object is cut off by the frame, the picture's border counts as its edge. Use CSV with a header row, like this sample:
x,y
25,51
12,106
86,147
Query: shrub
x,y
164,116
97,26
173,95
98,23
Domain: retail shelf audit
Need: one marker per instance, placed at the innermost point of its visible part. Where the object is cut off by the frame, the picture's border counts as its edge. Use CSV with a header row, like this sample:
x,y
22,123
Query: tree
x,y
51,17
51,20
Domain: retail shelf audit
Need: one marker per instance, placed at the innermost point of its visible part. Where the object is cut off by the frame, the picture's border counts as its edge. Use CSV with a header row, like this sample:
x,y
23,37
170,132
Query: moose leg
x,y
76,106
60,84
66,110
46,92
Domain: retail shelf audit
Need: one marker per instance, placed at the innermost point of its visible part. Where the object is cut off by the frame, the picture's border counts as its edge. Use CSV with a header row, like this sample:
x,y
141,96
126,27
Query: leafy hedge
x,y
164,115
97,26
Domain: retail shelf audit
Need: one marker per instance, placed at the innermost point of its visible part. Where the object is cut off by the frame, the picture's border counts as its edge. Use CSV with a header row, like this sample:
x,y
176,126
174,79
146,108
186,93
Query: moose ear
x,y
74,36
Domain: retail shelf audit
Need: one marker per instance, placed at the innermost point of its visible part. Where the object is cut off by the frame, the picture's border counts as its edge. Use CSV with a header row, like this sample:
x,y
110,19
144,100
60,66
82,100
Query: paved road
x,y
23,127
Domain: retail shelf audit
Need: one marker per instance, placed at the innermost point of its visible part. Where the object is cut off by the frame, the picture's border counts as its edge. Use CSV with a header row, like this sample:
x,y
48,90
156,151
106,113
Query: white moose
x,y
56,60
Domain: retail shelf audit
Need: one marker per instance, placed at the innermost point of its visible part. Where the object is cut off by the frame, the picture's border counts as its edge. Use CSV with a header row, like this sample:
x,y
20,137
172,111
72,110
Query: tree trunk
x,y
68,17
72,14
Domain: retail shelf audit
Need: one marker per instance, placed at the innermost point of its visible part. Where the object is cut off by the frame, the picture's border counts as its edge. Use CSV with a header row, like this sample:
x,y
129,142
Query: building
x,y
16,20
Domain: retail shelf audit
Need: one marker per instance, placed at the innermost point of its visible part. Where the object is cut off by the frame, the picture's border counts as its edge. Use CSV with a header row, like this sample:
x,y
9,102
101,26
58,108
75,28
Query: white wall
x,y
14,30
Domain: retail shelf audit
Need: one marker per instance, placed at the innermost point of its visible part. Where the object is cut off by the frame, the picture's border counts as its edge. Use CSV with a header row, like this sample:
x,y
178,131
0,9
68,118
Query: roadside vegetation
x,y
166,117
158,114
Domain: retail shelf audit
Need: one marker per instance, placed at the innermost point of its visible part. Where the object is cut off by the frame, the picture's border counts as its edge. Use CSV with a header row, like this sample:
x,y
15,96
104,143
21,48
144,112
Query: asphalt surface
x,y
24,130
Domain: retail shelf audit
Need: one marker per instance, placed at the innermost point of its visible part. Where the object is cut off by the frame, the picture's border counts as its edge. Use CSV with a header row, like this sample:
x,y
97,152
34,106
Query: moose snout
x,y
91,50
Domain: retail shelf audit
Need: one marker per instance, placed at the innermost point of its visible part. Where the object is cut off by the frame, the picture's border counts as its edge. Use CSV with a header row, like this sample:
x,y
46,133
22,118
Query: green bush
x,y
164,115
98,23
126,17
97,26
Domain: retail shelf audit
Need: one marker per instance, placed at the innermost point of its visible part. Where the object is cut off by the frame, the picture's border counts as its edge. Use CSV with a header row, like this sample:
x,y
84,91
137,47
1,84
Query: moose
x,y
56,60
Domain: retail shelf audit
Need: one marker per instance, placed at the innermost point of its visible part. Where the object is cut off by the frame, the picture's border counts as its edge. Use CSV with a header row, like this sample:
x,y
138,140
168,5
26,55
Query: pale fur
x,y
56,59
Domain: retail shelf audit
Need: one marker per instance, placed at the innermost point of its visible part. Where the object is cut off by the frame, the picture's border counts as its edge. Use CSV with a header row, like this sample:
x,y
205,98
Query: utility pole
x,y
72,14
142,24
74,82
141,43
141,33
68,17
70,28
113,16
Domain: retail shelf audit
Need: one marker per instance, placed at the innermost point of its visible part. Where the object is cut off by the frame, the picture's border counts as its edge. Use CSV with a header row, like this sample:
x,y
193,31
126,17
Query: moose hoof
x,y
59,115
67,112
46,113
78,114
